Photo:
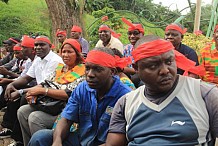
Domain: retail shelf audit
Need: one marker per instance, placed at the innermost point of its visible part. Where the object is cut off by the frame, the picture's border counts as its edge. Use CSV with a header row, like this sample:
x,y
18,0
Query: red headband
x,y
17,48
62,32
122,62
153,48
28,42
133,26
104,28
113,33
14,40
74,43
101,58
176,27
76,29
43,39
158,47
216,27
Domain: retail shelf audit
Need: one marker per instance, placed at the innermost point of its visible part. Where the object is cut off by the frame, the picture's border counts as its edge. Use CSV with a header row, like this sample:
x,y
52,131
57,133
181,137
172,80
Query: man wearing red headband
x,y
76,33
135,32
169,109
61,35
10,123
90,105
9,44
174,33
209,59
107,40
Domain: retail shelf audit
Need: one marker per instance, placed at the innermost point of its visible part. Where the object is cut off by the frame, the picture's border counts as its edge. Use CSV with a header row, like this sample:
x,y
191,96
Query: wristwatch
x,y
21,92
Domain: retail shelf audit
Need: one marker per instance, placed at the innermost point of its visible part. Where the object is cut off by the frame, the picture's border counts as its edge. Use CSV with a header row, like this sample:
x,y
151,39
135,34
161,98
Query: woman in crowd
x,y
65,79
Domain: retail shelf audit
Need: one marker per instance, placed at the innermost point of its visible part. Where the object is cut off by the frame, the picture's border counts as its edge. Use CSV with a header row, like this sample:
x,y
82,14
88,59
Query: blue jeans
x,y
45,138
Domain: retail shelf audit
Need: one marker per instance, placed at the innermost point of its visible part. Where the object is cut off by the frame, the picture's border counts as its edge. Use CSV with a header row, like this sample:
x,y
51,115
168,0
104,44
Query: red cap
x,y
74,43
76,28
17,48
28,42
62,32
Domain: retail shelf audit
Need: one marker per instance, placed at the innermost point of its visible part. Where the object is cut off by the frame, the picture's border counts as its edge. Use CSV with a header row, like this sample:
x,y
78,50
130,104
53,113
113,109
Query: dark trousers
x,y
10,120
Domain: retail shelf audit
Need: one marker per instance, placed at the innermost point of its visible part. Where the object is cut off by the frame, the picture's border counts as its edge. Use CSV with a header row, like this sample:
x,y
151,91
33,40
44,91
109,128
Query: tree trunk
x,y
64,14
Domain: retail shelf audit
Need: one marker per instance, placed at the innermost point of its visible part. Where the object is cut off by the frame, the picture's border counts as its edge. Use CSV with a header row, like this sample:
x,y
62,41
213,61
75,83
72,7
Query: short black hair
x,y
105,49
146,38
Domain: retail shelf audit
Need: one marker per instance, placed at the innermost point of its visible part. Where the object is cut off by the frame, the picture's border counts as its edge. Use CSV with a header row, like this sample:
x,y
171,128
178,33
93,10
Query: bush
x,y
196,41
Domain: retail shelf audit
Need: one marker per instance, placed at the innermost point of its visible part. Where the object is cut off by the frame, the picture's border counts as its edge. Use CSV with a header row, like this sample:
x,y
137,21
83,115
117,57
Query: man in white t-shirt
x,y
42,67
107,39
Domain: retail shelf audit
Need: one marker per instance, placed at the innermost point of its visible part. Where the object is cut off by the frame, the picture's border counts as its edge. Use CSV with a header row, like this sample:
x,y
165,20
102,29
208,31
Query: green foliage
x,y
115,22
196,42
20,17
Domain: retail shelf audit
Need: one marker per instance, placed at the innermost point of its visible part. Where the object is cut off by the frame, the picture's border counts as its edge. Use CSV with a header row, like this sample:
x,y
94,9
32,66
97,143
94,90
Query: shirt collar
x,y
48,56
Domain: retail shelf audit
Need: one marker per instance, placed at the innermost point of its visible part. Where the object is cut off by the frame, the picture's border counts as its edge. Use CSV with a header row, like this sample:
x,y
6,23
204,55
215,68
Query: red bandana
x,y
113,33
133,26
43,39
76,29
17,48
122,62
101,58
74,43
158,47
27,42
176,27
62,32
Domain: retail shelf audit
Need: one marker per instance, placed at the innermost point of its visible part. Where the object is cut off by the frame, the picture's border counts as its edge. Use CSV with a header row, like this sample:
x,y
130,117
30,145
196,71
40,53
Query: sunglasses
x,y
133,32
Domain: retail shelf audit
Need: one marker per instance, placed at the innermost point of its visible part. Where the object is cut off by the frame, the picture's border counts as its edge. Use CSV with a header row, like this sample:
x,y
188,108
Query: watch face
x,y
20,92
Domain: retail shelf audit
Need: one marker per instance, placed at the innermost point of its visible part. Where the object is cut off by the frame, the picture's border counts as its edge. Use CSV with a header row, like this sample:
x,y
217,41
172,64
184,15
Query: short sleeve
x,y
31,71
71,111
210,95
118,121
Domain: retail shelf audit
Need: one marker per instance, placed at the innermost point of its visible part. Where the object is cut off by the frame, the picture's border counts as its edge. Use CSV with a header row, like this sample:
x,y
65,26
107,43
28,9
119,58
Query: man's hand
x,y
14,95
36,90
4,81
10,89
3,70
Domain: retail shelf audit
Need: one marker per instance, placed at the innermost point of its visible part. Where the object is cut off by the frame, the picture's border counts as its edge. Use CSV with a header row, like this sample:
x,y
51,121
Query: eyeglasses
x,y
133,32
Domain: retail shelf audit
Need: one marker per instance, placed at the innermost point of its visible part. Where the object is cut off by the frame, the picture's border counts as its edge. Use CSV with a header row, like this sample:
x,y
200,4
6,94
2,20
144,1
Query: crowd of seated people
x,y
112,94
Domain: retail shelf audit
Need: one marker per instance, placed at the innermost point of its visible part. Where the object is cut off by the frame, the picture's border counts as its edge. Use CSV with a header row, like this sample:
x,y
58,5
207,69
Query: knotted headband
x,y
113,33
158,47
133,26
176,27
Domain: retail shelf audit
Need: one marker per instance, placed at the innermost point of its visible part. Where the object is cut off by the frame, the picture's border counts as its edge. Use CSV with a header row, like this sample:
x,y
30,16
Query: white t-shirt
x,y
42,68
114,43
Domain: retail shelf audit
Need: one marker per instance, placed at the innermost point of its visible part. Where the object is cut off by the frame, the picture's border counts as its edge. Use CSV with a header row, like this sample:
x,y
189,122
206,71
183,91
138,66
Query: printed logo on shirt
x,y
178,123
109,110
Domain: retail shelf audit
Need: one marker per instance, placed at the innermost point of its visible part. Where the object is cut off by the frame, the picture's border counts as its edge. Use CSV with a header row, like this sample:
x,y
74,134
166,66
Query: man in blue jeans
x,y
90,105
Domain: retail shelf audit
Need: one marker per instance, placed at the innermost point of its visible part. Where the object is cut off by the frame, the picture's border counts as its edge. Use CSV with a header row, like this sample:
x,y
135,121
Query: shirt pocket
x,y
103,127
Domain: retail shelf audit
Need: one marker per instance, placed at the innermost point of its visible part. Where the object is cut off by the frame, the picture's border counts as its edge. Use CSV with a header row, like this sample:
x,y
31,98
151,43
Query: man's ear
x,y
113,71
135,66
